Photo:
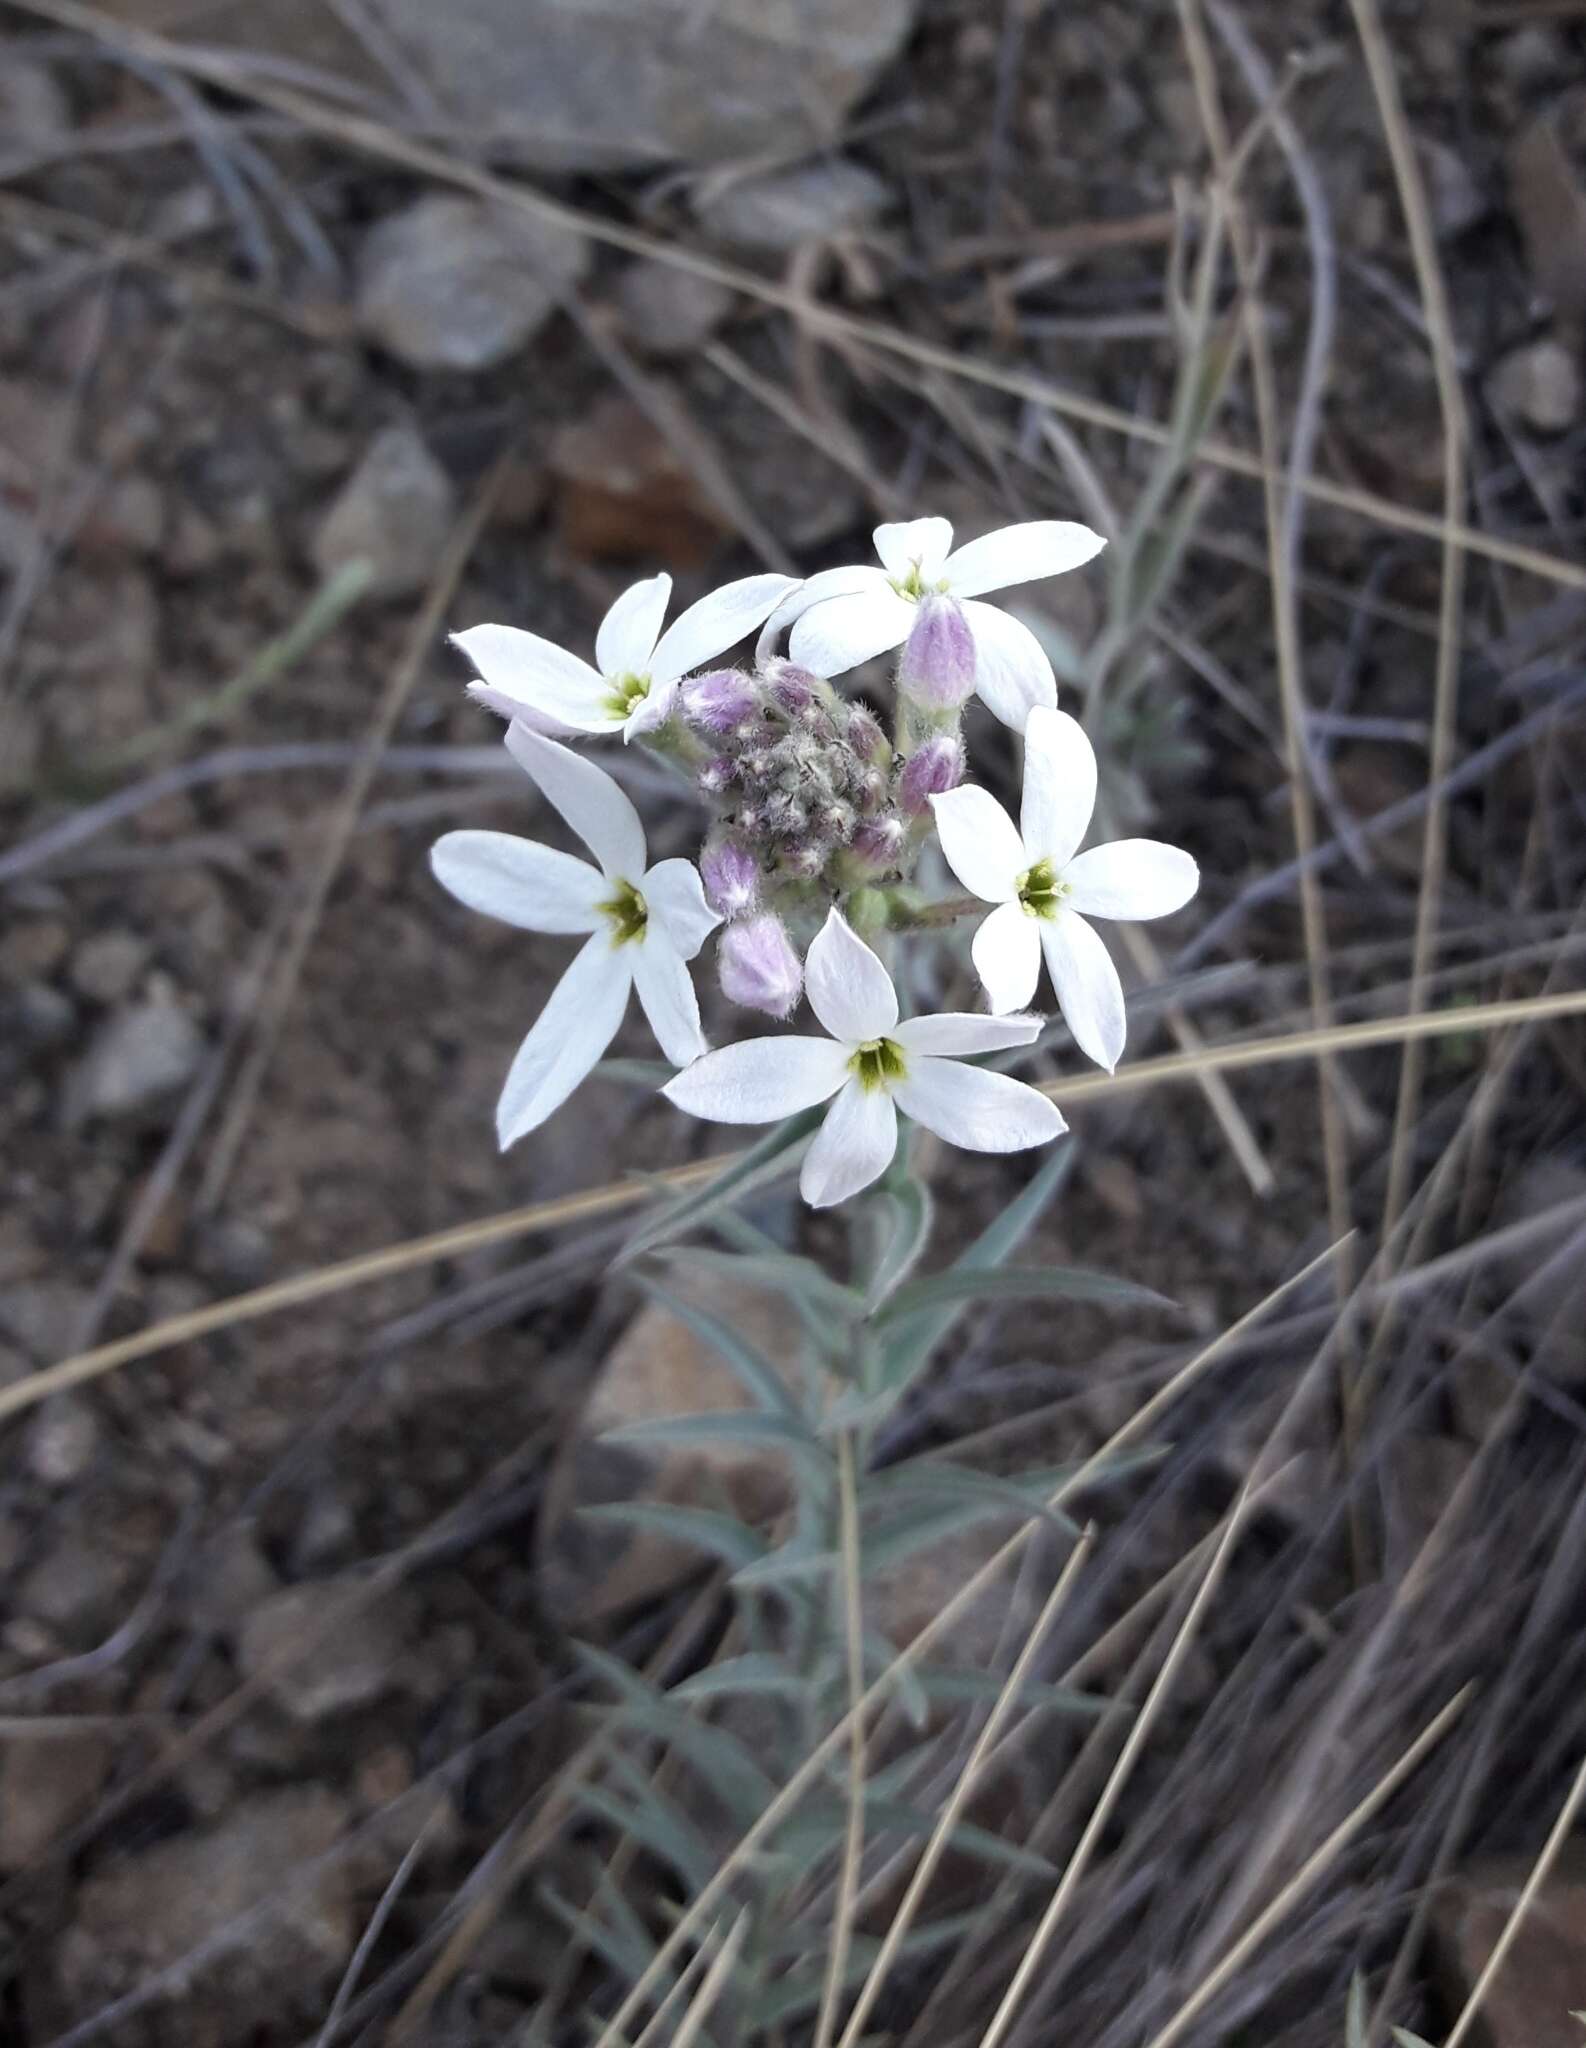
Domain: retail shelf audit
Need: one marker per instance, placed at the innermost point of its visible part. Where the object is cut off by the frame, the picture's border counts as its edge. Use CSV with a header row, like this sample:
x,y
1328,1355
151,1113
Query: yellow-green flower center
x,y
1042,890
625,912
878,1063
626,694
914,586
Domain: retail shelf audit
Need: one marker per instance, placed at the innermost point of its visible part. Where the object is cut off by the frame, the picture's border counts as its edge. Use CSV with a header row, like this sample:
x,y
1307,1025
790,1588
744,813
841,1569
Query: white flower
x,y
645,924
1041,884
842,617
874,1066
633,686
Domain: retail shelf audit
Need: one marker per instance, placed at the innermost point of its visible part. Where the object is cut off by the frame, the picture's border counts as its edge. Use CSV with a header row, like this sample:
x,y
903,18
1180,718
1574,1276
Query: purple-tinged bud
x,y
870,789
937,666
798,692
866,738
721,701
837,818
716,774
731,878
805,859
935,769
878,845
758,966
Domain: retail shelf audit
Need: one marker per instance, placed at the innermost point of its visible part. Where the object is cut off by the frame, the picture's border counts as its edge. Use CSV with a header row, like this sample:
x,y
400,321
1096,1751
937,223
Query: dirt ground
x,y
273,1605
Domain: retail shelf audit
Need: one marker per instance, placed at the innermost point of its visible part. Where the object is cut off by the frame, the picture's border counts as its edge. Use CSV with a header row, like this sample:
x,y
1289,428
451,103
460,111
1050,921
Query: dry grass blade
x,y
375,139
1313,1868
278,997
958,1798
1544,1863
616,1195
854,1833
1119,1776
712,1985
950,1613
1445,359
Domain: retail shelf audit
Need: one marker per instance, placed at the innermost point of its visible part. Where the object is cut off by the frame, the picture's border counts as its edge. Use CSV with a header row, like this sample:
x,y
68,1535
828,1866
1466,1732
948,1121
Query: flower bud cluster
x,y
803,782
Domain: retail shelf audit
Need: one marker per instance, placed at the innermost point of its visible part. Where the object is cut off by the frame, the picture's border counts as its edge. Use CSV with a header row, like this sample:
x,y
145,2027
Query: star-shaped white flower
x,y
1043,885
645,924
874,1066
633,686
842,617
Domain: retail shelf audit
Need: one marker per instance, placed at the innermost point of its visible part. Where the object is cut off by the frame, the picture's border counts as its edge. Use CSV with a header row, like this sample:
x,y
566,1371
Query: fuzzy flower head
x,y
641,926
843,617
1044,887
633,686
868,1068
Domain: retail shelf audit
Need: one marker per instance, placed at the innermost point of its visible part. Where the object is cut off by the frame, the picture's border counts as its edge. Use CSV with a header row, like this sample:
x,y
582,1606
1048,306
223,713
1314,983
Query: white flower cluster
x,y
819,817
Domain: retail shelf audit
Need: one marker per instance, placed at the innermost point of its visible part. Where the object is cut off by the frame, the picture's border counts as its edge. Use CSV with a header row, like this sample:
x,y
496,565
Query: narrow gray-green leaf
x,y
1017,1283
757,1671
724,1536
764,1160
749,1428
910,1201
748,1364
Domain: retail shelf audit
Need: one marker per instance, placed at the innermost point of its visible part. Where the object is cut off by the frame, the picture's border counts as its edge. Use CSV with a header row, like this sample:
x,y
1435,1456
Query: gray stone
x,y
62,1440
1539,385
42,1316
243,1894
105,966
573,86
595,84
75,1588
1457,201
47,1785
139,1056
454,284
233,1578
394,512
335,1649
670,312
36,1018
808,204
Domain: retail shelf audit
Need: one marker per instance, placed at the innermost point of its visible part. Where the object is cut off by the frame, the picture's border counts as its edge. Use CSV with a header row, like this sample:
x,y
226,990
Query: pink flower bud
x,y
716,774
721,701
731,878
758,966
935,769
799,692
937,667
878,845
866,738
804,859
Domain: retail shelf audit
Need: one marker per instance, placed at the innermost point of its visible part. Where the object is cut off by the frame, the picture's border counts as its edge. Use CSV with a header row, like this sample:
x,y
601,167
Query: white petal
x,y
980,842
1007,957
974,1108
1089,992
599,812
1012,672
537,721
963,1032
572,1031
653,709
522,673
674,896
1019,554
1132,878
815,590
841,632
666,992
716,623
534,887
849,989
1059,785
760,1080
908,544
853,1147
629,631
